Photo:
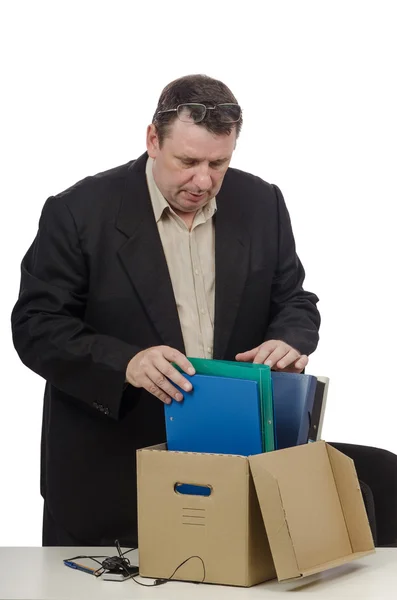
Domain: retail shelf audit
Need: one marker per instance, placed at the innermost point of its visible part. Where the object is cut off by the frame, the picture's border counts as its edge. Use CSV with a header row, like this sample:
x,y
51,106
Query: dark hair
x,y
195,88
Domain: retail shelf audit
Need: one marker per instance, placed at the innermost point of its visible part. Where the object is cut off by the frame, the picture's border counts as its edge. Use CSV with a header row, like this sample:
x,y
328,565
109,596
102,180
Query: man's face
x,y
190,166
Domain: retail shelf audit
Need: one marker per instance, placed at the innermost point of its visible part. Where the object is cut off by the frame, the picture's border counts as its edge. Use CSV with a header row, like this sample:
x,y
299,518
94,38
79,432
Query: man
x,y
169,256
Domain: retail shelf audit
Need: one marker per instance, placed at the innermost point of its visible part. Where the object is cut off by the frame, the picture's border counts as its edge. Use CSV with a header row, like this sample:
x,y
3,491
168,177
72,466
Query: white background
x,y
80,82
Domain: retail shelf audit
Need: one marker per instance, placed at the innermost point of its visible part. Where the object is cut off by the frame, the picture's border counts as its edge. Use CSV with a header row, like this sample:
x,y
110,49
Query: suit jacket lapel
x,y
231,264
143,257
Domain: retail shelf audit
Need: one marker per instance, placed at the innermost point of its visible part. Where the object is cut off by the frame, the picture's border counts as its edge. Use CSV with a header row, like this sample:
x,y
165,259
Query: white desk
x,y
39,574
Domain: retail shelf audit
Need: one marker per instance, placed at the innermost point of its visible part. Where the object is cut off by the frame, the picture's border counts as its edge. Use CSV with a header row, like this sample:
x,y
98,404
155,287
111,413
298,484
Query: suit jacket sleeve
x,y
48,327
294,317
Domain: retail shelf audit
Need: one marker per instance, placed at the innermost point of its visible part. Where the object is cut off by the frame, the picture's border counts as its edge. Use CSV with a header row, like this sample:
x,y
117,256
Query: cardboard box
x,y
308,498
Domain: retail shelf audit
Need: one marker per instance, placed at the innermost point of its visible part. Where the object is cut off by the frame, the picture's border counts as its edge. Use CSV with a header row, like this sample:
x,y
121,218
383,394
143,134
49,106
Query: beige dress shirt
x,y
190,258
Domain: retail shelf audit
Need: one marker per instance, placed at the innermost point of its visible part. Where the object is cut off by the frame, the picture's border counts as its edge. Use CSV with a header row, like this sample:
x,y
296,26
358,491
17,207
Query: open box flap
x,y
310,503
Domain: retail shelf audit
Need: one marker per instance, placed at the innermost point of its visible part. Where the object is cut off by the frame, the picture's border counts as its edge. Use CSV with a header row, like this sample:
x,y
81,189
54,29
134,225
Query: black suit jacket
x,y
95,290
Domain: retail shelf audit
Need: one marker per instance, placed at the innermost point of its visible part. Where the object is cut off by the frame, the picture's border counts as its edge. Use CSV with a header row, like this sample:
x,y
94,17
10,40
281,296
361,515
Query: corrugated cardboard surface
x,y
260,561
308,497
351,500
225,529
312,508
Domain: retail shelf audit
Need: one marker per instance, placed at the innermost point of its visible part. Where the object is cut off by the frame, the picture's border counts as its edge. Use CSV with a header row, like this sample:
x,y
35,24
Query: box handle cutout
x,y
190,489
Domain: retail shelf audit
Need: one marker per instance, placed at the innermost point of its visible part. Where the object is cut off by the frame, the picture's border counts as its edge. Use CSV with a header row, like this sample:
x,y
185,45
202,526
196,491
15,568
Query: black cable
x,y
184,562
122,563
165,580
85,556
130,550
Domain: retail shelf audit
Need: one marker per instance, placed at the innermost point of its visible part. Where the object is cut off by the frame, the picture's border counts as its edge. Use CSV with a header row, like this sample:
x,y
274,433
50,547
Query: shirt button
x,y
202,311
197,272
209,349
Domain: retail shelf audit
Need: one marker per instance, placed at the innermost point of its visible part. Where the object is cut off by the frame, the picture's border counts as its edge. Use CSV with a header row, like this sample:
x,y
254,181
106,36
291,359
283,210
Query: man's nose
x,y
202,177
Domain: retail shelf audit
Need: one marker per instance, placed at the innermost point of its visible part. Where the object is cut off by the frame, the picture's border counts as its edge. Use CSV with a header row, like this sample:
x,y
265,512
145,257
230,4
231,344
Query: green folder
x,y
242,370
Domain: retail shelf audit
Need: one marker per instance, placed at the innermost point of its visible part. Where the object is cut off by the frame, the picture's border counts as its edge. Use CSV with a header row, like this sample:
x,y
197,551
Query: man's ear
x,y
152,141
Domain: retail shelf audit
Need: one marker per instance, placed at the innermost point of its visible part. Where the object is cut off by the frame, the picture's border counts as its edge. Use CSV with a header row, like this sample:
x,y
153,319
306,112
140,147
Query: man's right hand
x,y
152,370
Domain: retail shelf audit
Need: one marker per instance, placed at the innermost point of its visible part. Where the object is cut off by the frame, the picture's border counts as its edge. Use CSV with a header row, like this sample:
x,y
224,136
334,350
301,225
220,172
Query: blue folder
x,y
220,415
293,398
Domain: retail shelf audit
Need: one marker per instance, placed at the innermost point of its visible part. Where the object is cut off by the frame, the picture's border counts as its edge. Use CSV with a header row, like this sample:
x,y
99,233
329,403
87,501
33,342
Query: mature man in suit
x,y
171,255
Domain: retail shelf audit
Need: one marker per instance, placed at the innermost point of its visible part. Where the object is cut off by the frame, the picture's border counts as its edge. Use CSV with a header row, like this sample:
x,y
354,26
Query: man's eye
x,y
188,163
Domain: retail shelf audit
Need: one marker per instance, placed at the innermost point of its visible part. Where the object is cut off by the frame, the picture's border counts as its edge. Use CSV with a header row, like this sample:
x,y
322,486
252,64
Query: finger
x,y
159,380
265,350
166,368
291,357
247,356
295,366
270,356
151,387
173,355
302,362
250,355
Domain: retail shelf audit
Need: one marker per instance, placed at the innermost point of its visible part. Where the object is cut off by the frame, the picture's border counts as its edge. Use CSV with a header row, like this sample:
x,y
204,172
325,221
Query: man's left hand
x,y
278,355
